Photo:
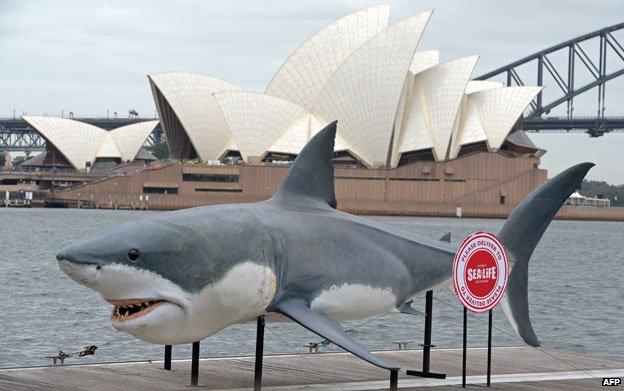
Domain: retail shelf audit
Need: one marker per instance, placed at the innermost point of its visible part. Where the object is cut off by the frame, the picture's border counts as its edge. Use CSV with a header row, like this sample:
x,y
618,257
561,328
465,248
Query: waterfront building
x,y
394,104
577,199
80,146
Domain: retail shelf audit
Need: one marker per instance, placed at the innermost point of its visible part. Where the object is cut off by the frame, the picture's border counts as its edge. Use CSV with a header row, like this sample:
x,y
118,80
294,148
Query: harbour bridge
x,y
562,77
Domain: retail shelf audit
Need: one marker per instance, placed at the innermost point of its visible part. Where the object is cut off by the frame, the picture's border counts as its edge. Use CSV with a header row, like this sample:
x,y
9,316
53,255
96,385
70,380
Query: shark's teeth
x,y
133,309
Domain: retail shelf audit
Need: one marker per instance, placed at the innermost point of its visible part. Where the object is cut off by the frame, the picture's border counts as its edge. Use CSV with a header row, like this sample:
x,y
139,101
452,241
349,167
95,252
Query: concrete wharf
x,y
513,368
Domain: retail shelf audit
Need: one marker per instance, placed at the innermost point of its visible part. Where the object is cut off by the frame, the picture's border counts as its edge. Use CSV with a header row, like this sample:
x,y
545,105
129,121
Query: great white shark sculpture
x,y
179,277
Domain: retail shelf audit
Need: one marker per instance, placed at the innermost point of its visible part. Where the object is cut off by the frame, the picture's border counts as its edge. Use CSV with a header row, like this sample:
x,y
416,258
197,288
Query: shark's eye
x,y
133,255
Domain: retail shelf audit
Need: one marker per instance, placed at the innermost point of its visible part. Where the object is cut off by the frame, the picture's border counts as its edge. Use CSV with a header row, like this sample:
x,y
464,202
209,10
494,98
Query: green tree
x,y
601,188
2,160
161,150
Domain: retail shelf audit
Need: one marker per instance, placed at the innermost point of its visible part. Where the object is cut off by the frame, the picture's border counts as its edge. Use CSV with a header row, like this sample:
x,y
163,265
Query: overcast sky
x,y
92,56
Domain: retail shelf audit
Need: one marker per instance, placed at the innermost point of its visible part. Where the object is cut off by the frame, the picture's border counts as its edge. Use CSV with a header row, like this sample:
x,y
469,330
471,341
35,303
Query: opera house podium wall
x,y
482,184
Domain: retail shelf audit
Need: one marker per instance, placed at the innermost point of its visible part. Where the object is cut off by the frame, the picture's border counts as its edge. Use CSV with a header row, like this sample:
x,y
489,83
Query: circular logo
x,y
480,272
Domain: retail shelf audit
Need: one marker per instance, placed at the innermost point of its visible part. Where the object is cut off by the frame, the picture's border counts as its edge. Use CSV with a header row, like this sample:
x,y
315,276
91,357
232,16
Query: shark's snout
x,y
85,274
79,266
75,256
62,255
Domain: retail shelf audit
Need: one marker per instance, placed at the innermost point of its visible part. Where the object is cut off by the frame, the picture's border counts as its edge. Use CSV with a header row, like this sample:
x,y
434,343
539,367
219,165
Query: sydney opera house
x,y
415,135
394,104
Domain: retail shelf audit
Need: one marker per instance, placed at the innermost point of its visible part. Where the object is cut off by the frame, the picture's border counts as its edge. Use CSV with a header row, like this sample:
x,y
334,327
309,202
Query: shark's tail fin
x,y
521,233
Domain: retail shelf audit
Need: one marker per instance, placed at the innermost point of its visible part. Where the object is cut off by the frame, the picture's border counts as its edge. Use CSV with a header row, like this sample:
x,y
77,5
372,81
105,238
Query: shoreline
x,y
571,213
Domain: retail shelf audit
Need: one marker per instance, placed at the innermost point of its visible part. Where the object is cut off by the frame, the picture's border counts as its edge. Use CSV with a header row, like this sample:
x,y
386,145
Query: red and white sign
x,y
480,271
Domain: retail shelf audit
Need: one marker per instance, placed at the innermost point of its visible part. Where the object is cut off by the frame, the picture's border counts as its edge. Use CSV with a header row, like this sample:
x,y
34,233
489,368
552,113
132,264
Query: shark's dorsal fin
x,y
310,179
446,237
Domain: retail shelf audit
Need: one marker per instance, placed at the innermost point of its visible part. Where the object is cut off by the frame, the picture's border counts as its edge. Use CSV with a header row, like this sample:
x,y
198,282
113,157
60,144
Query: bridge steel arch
x,y
597,67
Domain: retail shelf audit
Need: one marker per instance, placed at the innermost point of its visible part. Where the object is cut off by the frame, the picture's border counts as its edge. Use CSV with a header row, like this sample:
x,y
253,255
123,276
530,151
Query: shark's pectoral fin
x,y
446,237
328,328
406,308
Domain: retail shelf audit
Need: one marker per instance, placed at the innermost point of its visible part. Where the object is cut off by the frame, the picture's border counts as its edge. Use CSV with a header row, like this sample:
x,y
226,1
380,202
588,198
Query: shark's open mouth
x,y
125,310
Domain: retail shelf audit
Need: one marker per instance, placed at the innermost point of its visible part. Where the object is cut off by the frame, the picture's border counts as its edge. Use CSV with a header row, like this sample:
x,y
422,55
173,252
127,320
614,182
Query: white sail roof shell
x,y
294,137
415,131
231,146
468,128
499,109
317,123
424,60
304,73
480,85
80,142
190,95
341,145
77,141
130,138
443,87
300,132
363,94
437,97
471,129
256,120
107,147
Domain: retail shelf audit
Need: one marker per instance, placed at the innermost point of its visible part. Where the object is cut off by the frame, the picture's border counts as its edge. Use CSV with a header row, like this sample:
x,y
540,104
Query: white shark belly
x,y
354,301
242,295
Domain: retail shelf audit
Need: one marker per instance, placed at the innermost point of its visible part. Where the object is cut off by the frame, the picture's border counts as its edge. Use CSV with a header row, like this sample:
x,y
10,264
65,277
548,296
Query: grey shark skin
x,y
295,255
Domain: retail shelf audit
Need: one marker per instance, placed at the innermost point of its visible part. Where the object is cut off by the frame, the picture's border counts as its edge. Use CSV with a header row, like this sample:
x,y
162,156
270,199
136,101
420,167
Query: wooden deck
x,y
516,368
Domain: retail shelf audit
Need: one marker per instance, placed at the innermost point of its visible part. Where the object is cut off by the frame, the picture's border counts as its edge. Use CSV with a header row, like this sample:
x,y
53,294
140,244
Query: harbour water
x,y
575,286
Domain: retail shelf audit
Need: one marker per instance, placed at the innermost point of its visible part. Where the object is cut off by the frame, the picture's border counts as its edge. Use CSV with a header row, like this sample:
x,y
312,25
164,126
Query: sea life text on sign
x,y
480,272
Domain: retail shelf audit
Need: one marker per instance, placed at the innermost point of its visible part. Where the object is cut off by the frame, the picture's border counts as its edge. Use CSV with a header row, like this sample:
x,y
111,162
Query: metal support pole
x,y
167,357
427,342
428,319
489,358
394,379
259,353
195,364
464,347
